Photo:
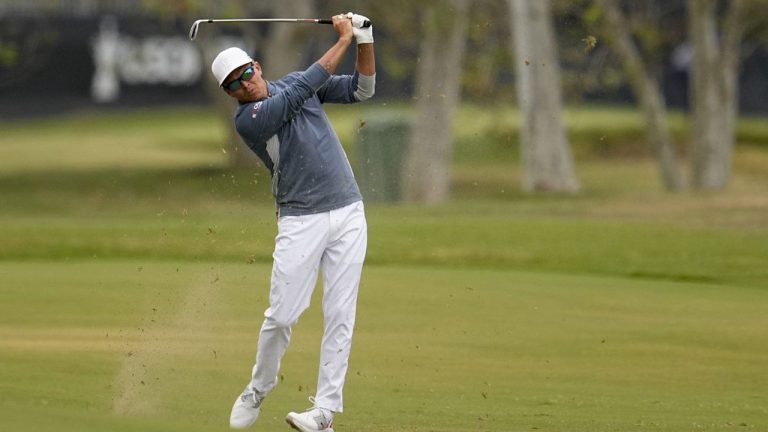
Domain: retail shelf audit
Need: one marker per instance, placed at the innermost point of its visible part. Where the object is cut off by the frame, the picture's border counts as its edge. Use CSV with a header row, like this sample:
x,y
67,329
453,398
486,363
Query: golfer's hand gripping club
x,y
361,28
343,26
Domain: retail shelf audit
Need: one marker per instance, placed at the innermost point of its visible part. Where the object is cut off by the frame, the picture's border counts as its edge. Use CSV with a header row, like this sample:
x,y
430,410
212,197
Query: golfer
x,y
321,221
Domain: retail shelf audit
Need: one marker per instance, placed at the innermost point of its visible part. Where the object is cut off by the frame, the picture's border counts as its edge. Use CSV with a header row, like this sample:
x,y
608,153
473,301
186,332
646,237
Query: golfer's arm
x,y
331,59
365,65
366,60
260,120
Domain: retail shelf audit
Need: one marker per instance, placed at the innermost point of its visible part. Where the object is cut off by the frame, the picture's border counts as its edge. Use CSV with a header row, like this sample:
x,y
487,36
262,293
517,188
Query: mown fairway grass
x,y
133,273
137,345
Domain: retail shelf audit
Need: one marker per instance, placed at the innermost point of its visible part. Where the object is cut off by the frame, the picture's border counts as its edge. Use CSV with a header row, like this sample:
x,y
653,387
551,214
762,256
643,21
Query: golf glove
x,y
362,34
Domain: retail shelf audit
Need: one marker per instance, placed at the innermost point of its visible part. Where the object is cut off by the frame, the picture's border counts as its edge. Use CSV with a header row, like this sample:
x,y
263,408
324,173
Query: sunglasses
x,y
236,83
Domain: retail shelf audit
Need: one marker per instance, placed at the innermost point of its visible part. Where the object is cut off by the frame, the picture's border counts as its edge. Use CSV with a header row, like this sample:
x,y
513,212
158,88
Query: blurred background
x,y
67,57
567,206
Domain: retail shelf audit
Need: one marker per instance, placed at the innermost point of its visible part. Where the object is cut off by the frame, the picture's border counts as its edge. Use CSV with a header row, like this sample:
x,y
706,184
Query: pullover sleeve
x,y
339,89
348,88
264,118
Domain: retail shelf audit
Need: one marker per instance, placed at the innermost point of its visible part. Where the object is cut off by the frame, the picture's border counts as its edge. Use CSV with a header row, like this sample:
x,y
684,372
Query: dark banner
x,y
54,65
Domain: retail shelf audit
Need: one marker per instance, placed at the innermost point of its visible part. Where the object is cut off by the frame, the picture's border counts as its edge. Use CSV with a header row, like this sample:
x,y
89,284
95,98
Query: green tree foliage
x,y
488,65
24,44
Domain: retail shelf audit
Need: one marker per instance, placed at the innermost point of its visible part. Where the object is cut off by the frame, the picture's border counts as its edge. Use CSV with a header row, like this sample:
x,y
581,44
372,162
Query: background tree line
x,y
538,55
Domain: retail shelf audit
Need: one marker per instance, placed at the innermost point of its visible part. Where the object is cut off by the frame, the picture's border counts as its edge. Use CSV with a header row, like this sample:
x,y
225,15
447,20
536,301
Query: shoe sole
x,y
290,423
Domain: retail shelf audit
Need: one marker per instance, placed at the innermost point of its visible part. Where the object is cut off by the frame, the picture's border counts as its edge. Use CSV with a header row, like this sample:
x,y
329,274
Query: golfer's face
x,y
245,83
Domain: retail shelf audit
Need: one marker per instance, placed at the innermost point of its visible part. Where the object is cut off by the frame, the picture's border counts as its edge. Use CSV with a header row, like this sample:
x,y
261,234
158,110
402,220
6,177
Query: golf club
x,y
196,24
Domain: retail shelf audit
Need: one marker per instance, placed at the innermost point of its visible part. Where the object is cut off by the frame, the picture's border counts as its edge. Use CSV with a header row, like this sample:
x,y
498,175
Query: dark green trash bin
x,y
380,155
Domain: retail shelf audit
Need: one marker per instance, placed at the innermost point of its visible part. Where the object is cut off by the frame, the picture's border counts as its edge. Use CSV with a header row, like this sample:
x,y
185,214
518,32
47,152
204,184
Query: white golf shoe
x,y
311,420
246,409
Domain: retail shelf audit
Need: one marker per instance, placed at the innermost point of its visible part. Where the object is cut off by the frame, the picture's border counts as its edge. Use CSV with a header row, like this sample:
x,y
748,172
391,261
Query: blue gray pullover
x,y
292,135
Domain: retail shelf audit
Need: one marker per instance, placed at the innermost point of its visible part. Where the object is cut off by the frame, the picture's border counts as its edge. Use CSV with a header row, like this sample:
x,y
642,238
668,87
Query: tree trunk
x,y
286,45
438,84
714,91
546,153
647,90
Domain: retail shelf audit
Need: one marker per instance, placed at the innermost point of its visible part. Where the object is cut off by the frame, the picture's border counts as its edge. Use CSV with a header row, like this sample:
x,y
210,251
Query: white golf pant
x,y
335,241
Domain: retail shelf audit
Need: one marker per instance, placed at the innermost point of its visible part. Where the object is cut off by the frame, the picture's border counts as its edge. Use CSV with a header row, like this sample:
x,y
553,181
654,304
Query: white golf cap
x,y
227,61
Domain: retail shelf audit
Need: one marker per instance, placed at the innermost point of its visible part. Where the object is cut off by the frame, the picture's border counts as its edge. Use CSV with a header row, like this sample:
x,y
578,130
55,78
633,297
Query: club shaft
x,y
196,24
267,20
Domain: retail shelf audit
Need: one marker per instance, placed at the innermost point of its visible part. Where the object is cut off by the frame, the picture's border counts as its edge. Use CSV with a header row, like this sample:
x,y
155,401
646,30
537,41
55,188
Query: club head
x,y
193,29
